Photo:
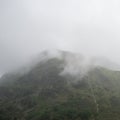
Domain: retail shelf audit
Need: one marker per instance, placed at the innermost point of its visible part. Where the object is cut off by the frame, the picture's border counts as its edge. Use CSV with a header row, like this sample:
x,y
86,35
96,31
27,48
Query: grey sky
x,y
91,27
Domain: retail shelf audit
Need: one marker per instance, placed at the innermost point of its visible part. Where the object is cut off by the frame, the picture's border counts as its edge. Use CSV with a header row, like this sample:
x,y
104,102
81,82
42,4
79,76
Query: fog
x,y
27,27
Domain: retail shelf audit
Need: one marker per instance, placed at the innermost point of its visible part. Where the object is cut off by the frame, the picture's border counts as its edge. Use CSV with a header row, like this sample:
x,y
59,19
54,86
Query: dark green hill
x,y
43,93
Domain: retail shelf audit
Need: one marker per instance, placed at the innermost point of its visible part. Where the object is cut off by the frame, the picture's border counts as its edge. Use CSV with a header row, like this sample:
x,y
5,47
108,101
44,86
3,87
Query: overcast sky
x,y
91,27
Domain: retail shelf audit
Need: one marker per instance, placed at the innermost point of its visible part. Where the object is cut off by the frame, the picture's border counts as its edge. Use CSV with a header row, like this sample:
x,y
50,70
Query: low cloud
x,y
31,26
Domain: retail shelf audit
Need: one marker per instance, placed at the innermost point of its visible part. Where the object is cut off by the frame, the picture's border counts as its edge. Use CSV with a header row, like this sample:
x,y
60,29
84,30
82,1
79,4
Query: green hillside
x,y
44,94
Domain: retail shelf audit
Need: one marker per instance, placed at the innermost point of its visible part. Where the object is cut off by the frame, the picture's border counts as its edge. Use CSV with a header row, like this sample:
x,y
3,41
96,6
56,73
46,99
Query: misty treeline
x,y
44,93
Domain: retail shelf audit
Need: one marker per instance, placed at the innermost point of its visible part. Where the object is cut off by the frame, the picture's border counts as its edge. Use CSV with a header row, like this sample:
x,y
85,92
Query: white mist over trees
x,y
28,27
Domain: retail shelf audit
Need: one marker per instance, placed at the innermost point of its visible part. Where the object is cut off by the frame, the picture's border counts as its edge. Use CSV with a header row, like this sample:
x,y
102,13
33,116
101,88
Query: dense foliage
x,y
43,94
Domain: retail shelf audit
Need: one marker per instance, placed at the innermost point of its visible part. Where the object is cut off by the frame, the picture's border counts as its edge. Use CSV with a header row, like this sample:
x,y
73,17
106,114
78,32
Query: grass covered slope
x,y
43,93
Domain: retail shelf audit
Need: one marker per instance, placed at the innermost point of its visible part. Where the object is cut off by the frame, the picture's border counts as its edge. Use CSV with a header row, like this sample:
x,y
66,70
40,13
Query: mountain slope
x,y
49,91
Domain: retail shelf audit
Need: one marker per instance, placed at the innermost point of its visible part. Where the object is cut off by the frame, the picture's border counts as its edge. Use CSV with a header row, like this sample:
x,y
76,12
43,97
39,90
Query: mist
x,y
28,27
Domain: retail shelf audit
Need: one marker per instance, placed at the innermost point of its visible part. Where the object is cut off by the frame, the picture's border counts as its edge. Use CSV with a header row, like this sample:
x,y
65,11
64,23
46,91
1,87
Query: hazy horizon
x,y
28,27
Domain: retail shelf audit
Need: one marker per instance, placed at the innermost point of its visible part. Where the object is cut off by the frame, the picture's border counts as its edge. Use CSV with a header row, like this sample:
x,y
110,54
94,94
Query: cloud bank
x,y
27,27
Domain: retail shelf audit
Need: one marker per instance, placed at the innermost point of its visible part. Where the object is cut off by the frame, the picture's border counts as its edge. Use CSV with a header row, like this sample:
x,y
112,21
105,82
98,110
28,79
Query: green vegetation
x,y
42,94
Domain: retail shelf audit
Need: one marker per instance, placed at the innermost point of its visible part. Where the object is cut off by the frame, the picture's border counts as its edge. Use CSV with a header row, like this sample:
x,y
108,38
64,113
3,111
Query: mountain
x,y
60,85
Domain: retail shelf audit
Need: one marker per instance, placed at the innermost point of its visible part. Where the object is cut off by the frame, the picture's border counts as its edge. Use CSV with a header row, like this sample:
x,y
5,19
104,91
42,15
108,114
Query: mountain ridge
x,y
45,93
